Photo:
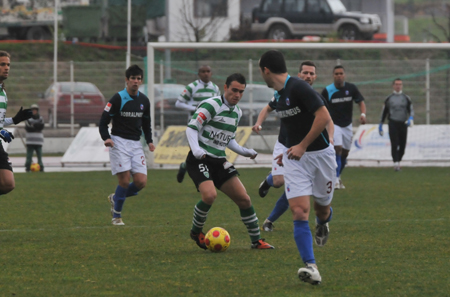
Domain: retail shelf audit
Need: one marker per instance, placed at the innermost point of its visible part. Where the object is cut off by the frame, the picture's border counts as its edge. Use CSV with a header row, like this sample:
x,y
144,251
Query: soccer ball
x,y
217,240
35,167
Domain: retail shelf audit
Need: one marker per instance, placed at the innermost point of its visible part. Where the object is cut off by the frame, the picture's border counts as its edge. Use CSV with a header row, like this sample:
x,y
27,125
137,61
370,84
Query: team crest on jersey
x,y
108,107
288,188
184,92
206,174
347,92
288,102
142,106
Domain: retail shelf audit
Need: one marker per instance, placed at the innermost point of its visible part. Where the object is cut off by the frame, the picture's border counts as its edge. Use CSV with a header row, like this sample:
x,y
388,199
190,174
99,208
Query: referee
x,y
399,109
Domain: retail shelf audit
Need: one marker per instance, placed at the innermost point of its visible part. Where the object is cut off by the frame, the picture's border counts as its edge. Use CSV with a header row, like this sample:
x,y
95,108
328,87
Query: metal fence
x,y
373,78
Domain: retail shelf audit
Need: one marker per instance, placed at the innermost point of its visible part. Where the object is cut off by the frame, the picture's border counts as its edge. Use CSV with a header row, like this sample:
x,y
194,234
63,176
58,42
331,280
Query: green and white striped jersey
x,y
197,91
216,124
3,106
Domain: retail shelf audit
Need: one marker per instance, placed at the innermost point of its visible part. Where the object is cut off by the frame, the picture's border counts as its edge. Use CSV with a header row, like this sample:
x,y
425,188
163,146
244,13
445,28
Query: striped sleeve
x,y
204,113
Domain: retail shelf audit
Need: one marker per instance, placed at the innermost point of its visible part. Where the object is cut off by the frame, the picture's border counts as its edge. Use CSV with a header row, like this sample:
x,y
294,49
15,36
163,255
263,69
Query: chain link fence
x,y
373,78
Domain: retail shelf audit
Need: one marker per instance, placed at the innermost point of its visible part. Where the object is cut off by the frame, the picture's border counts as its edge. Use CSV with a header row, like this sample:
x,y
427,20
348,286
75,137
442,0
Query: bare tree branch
x,y
433,35
439,25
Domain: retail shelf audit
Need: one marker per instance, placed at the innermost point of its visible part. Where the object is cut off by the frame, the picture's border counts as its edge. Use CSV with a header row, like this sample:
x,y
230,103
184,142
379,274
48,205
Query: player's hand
x,y
296,152
279,159
380,129
256,128
109,143
199,154
254,154
6,136
362,119
151,147
22,115
410,122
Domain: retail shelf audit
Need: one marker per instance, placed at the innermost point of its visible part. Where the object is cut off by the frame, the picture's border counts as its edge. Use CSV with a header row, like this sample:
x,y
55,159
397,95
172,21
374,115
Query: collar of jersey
x,y
275,94
224,101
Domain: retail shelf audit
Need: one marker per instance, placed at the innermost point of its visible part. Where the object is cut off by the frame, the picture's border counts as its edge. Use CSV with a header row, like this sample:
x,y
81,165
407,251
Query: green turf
x,y
389,237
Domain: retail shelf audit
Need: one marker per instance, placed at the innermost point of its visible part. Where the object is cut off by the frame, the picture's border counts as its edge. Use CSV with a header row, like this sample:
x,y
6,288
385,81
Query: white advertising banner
x,y
425,143
87,147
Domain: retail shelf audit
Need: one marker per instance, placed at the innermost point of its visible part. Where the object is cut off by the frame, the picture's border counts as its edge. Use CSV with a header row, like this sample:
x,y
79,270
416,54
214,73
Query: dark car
x,y
283,19
88,103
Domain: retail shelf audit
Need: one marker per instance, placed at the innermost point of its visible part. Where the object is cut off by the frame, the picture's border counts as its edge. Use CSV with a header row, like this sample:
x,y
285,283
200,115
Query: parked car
x,y
284,19
88,101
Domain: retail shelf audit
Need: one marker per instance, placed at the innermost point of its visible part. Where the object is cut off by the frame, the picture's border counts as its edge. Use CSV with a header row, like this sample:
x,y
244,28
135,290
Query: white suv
x,y
283,19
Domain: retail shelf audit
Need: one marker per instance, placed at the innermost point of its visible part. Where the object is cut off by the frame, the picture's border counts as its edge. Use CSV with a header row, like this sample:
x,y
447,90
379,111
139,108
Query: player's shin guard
x,y
250,220
119,200
280,207
132,190
339,164
303,239
201,210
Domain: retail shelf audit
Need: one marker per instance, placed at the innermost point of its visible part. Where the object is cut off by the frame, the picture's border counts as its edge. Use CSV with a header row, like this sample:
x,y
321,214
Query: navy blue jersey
x,y
341,102
283,133
296,107
130,117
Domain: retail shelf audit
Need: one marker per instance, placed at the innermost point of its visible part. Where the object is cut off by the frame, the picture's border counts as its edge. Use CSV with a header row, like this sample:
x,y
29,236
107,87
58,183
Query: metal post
x,y
161,106
72,89
167,52
427,88
55,65
128,35
151,97
250,95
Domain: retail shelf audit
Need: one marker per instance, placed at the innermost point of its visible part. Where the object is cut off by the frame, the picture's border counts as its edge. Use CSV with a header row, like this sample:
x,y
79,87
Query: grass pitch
x,y
389,237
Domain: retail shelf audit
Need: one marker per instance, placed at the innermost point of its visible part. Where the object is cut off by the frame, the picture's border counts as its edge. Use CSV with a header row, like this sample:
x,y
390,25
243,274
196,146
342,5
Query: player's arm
x,y
105,119
362,108
243,151
384,114
183,105
22,115
321,120
184,98
263,114
410,108
147,128
330,130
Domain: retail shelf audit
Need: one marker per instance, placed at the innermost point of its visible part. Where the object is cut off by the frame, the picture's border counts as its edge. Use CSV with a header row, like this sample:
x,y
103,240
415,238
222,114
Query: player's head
x,y
271,64
339,75
134,70
307,72
234,88
134,75
4,65
397,84
274,61
205,73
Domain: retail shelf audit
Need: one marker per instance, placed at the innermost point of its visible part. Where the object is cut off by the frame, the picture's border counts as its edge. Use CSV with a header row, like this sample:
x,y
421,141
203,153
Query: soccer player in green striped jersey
x,y
7,182
210,131
194,93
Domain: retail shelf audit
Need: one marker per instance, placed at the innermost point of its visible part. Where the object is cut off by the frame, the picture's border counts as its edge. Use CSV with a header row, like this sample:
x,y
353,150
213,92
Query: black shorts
x,y
219,170
4,159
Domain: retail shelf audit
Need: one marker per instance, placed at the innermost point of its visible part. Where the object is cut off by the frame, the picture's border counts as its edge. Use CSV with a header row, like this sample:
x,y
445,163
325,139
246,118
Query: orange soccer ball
x,y
35,167
217,240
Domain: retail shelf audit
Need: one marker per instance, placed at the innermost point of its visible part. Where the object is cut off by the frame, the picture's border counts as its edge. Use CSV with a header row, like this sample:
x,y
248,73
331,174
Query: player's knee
x,y
209,197
4,189
300,213
277,183
140,184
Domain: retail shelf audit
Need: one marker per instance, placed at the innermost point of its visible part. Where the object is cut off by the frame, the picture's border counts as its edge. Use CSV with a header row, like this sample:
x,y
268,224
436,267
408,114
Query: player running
x,y
129,111
211,130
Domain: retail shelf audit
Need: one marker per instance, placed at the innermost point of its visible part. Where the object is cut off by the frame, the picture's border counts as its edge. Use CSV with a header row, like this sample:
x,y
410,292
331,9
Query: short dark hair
x,y
236,77
134,70
4,54
306,63
398,78
203,66
338,67
274,61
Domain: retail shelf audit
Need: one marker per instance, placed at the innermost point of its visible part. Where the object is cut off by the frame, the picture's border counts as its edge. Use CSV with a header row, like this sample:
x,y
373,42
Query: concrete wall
x,y
52,145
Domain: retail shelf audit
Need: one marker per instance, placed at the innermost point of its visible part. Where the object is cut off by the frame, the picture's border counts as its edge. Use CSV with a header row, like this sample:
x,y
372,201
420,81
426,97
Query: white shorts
x,y
127,155
278,149
343,136
314,174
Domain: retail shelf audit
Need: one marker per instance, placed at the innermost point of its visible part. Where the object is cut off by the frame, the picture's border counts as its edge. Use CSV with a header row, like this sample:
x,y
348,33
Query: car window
x,y
49,92
324,7
294,5
313,5
260,94
337,6
272,6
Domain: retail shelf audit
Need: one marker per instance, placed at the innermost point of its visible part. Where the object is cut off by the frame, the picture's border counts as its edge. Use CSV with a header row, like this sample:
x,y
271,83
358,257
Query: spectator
x,y
34,137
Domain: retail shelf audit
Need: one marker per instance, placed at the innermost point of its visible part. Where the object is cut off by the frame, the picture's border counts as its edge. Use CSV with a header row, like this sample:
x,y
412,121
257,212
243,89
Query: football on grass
x,y
217,240
35,167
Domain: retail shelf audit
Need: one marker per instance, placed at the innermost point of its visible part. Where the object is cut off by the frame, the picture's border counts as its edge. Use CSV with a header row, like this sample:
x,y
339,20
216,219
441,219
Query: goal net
x,y
424,69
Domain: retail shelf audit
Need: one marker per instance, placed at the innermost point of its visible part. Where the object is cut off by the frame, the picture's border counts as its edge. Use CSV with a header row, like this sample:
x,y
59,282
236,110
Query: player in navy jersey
x,y
307,72
340,96
309,159
129,111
